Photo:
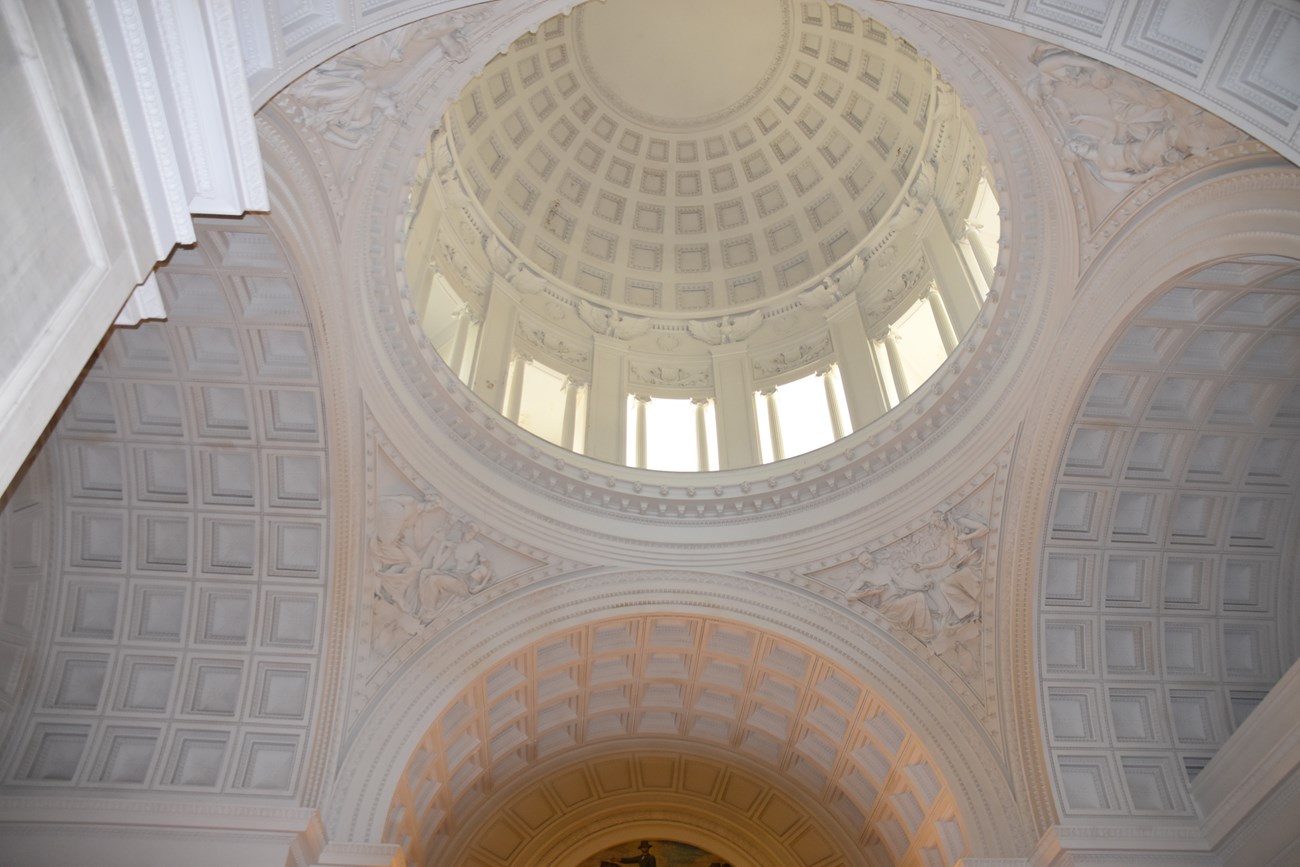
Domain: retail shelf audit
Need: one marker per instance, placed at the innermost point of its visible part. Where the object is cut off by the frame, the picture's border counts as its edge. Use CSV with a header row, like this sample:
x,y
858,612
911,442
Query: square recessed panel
x,y
125,755
145,684
295,549
77,681
1129,647
213,687
91,609
158,612
1068,578
1074,716
224,615
289,619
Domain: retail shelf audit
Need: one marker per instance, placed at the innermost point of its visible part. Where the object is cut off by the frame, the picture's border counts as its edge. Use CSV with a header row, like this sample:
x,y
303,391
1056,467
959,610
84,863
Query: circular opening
x,y
702,241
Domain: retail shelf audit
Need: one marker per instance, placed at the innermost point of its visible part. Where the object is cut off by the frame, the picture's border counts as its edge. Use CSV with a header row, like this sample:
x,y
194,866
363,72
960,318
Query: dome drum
x,y
547,251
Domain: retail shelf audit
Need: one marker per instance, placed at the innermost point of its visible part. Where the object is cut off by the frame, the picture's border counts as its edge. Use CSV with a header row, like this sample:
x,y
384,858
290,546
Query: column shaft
x,y
864,386
733,389
896,365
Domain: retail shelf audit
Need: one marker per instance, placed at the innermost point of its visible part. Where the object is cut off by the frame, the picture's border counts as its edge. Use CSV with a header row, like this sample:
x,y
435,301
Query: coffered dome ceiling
x,y
611,200
693,168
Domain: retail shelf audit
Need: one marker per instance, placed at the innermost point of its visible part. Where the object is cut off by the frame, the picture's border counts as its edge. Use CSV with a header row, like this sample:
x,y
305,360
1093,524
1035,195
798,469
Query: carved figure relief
x,y
424,562
819,297
930,585
672,376
420,557
344,99
611,322
1123,129
727,329
554,345
789,359
526,281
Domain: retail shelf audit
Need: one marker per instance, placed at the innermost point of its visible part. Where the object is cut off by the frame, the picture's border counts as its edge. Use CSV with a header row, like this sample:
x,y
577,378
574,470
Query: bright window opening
x,y
449,327
543,402
804,416
986,225
679,434
920,346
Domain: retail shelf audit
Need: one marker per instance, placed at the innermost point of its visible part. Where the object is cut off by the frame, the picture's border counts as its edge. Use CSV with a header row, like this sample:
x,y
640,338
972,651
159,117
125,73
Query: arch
x,y
377,751
1232,215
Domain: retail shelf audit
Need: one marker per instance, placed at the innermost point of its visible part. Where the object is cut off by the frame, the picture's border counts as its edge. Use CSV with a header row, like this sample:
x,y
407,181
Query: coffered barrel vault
x,y
291,580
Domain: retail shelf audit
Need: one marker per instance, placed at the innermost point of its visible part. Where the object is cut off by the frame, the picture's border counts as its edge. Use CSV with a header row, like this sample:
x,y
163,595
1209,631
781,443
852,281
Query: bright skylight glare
x,y
671,434
541,406
804,415
919,343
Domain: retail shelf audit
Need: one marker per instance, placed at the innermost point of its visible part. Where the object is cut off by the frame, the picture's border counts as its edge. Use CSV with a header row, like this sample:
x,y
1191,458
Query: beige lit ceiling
x,y
695,168
732,727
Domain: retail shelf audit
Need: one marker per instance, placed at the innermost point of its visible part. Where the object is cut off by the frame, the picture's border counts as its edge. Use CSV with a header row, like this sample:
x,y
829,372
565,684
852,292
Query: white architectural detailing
x,y
126,117
280,583
146,302
1167,569
858,773
1122,128
186,597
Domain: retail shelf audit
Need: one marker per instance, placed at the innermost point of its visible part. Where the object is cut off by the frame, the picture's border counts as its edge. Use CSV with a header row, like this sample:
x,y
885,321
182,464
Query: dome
x,y
647,242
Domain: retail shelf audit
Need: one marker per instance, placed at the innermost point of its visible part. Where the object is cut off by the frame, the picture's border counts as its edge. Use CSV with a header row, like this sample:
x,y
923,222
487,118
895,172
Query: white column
x,y
733,388
607,400
571,387
516,387
832,402
982,258
495,345
774,423
457,360
896,364
701,433
940,312
641,449
864,387
957,285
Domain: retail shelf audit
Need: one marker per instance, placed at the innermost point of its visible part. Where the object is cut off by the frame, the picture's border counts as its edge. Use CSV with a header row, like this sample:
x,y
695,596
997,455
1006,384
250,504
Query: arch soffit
x,y
1213,216
380,745
684,812
1252,211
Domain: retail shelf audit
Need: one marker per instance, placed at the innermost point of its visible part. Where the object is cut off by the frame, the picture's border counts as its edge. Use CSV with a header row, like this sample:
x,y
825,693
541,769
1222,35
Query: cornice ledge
x,y
17,810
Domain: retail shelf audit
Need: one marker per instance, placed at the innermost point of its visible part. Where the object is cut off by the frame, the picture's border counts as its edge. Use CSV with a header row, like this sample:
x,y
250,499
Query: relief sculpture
x,y
347,98
930,585
1123,129
420,557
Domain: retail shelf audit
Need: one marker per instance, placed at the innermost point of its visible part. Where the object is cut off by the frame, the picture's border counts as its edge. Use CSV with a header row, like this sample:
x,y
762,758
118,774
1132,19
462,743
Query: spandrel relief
x,y
426,562
421,556
347,101
930,584
1123,129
